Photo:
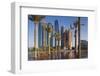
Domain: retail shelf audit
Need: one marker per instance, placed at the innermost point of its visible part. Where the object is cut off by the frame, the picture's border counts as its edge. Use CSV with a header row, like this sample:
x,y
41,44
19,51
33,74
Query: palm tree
x,y
49,30
77,26
79,42
44,25
35,19
58,38
55,35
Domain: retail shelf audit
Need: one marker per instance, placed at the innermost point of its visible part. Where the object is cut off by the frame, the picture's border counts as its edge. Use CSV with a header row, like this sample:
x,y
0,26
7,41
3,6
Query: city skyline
x,y
64,21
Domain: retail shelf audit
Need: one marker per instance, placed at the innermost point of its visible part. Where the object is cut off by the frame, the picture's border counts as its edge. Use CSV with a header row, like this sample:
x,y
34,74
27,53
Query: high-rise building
x,y
43,33
51,39
56,29
65,39
42,36
40,30
56,26
69,39
62,37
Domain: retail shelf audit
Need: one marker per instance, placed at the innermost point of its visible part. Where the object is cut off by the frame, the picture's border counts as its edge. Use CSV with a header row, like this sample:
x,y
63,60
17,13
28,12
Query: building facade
x,y
40,30
62,37
56,30
69,39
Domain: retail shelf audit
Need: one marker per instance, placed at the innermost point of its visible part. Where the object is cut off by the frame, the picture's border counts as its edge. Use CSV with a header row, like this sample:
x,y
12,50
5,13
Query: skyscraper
x,y
56,29
51,39
40,29
62,37
65,39
43,32
69,39
56,26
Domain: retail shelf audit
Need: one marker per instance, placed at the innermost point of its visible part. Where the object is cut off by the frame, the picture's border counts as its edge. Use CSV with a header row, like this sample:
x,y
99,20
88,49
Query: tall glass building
x,y
51,40
40,36
62,37
56,29
56,26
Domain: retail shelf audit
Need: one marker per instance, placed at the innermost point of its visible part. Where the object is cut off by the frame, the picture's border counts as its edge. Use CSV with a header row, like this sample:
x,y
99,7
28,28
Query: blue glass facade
x,y
51,40
40,36
56,29
56,26
62,37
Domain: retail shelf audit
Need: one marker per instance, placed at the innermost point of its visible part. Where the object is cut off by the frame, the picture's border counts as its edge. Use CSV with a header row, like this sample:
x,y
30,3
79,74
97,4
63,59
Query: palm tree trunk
x,y
44,39
35,40
76,40
34,35
79,42
49,43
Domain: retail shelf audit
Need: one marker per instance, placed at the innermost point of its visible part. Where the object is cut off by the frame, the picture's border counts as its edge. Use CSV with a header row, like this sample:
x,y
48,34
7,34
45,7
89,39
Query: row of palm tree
x,y
46,27
49,29
77,28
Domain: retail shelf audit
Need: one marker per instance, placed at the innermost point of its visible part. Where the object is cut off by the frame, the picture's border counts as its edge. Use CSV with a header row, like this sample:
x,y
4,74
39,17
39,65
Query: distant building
x,y
56,26
40,40
62,37
69,39
51,39
84,49
65,37
43,32
56,29
84,44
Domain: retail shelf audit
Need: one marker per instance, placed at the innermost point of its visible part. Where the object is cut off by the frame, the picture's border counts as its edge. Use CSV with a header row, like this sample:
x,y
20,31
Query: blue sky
x,y
63,21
